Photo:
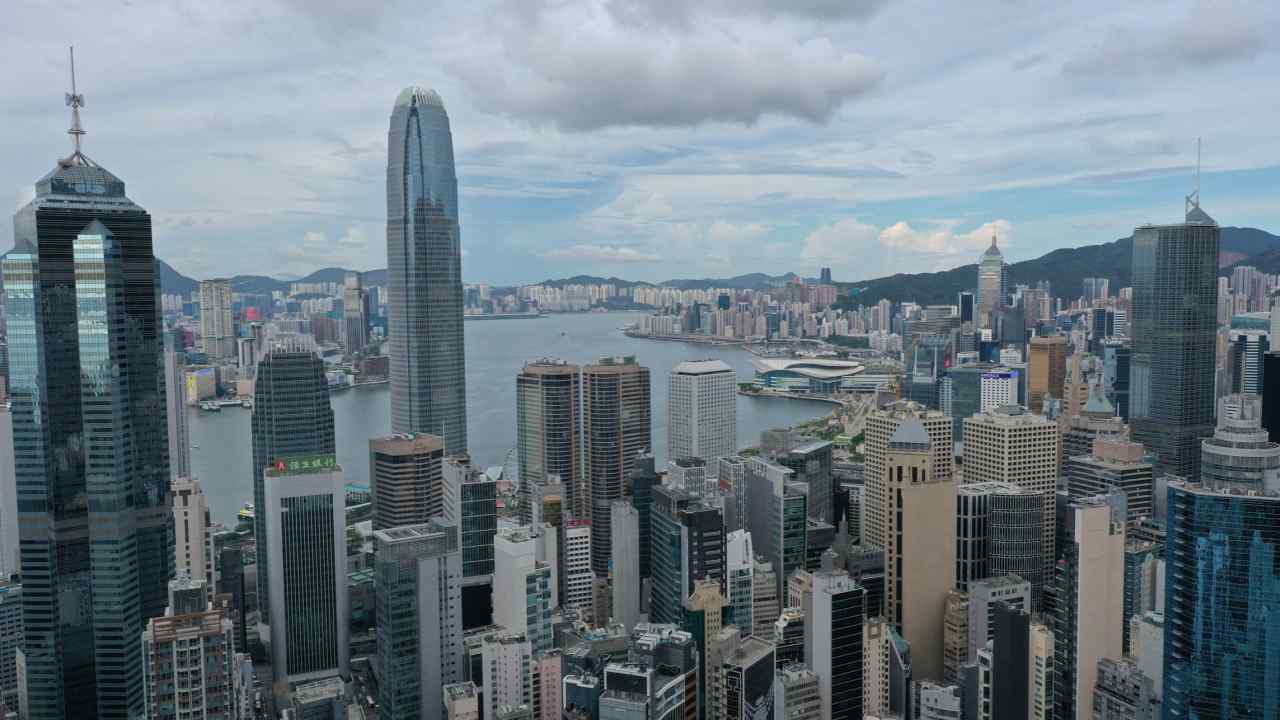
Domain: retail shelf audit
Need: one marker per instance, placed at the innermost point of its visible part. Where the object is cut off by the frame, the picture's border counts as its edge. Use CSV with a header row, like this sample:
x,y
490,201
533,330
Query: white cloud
x,y
857,250
605,254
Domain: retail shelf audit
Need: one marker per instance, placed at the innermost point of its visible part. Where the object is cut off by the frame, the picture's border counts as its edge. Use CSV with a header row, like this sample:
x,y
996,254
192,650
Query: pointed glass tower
x,y
424,270
90,439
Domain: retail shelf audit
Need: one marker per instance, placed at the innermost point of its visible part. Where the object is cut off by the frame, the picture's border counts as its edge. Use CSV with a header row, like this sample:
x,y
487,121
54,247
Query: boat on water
x,y
195,445
246,513
210,406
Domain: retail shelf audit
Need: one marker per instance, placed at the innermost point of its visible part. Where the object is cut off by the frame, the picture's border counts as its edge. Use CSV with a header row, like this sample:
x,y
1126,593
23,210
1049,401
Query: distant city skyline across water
x,y
496,351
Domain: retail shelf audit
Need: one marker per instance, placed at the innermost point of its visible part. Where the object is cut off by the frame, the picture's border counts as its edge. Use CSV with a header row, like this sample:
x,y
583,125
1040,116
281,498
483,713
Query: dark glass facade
x,y
643,480
688,545
90,441
1174,327
617,428
424,273
1271,395
1222,605
291,417
847,614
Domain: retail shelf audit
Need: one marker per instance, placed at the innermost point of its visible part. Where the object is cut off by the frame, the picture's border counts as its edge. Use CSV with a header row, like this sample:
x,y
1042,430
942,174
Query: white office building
x,y
702,410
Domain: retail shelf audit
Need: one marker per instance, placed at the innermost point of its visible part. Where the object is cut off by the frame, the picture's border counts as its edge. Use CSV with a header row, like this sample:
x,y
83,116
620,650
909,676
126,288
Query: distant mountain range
x,y
1064,269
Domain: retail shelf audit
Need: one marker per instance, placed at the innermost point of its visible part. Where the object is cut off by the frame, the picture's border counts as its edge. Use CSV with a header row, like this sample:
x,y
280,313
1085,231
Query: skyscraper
x,y
993,284
89,438
1239,456
688,545
548,434
702,402
617,426
1174,326
424,273
175,403
291,418
193,543
835,654
405,477
880,426
1046,370
920,562
355,312
1221,650
418,578
217,327
189,657
304,514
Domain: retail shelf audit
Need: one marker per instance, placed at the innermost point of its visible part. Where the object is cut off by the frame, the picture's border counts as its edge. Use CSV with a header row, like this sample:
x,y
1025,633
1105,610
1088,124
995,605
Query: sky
x,y
655,139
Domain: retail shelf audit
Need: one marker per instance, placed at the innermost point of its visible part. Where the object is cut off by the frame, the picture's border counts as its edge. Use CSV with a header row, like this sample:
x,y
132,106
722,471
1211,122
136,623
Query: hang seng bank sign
x,y
304,464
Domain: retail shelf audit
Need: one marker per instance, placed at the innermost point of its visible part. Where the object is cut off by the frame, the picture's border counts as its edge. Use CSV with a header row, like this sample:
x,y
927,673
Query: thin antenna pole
x,y
1197,170
75,101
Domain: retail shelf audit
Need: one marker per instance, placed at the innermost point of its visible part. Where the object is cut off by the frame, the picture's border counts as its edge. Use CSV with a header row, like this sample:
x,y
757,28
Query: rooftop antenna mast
x,y
75,101
1193,200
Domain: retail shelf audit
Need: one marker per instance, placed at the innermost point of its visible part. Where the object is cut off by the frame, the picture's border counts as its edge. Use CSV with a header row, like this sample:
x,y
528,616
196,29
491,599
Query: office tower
x,y
616,428
703,619
461,701
231,584
625,567
193,543
1147,647
777,515
955,635
471,503
9,535
1124,692
1097,419
965,302
507,672
1013,446
1174,327
1246,350
920,562
1143,573
999,387
880,425
217,327
89,438
993,284
548,440
796,694
1088,603
1271,391
939,702
835,653
523,580
643,480
548,676
576,566
742,675
424,273
811,461
189,657
355,313
765,607
1240,456
406,479
690,474
1046,370
418,590
176,408
789,636
1116,464
1009,650
1220,651
731,475
291,418
999,531
984,597
886,670
304,514
688,545
1042,653
739,578
10,641
702,410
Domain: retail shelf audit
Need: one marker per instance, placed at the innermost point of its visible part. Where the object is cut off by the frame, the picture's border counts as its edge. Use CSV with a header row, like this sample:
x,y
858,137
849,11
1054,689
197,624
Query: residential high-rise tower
x,y
548,434
617,426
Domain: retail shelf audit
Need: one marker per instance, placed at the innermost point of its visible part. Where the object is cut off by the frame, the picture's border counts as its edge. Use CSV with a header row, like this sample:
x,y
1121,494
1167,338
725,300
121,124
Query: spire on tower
x,y
1193,200
75,101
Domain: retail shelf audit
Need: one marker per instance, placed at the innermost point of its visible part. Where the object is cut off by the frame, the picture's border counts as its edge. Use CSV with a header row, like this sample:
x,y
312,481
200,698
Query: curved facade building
x,y
424,272
806,375
1239,456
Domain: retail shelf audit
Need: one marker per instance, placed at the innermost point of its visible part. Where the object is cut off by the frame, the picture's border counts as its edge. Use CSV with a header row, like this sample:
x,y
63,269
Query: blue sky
x,y
657,138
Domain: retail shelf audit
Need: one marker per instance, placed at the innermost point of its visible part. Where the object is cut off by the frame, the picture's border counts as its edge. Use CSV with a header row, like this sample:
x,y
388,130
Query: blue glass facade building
x,y
90,442
1222,605
424,273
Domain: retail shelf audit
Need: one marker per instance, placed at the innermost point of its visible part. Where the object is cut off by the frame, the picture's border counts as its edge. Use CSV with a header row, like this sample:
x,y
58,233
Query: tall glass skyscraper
x,y
291,418
1175,296
993,284
90,440
424,270
1222,603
